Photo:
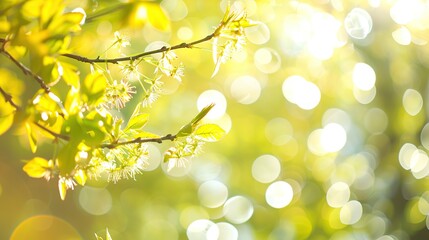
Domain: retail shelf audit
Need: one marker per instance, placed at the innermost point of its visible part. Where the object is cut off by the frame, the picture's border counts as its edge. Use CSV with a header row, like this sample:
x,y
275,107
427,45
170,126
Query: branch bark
x,y
8,98
168,137
140,55
23,68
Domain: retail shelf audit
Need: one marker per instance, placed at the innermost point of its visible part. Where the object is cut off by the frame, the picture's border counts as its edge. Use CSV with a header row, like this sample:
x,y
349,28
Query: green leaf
x,y
80,177
37,167
31,137
6,117
202,113
209,133
137,122
94,126
157,17
145,135
189,128
62,187
70,74
108,237
66,158
93,89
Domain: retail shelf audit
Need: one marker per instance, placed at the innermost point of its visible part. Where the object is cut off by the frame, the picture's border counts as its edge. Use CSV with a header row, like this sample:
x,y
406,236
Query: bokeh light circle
x,y
405,11
364,97
227,231
301,92
363,76
258,34
246,89
279,131
212,194
267,60
238,209
42,227
412,101
279,194
351,212
202,229
419,164
212,96
402,36
154,159
424,136
266,168
375,120
333,137
405,153
338,194
358,23
95,201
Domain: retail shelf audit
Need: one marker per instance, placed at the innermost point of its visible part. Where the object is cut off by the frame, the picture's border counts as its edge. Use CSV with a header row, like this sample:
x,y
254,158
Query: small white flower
x,y
121,40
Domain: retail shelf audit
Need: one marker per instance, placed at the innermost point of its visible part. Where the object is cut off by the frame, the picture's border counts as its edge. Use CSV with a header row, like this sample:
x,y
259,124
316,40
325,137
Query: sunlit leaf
x,y
31,137
190,127
80,177
93,88
145,135
108,237
11,85
62,188
68,22
137,122
67,158
70,74
209,132
37,167
157,17
6,117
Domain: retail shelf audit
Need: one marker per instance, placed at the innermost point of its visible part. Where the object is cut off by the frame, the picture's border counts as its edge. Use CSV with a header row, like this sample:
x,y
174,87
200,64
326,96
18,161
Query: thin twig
x,y
57,135
23,68
8,98
167,137
131,58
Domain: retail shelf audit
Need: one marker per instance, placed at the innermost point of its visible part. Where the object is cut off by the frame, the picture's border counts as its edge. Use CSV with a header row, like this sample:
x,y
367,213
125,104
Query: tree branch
x,y
23,68
131,58
57,135
8,98
167,137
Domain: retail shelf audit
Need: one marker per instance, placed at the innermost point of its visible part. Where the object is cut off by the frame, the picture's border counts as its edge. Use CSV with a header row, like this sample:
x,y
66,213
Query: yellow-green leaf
x,y
62,187
80,177
157,17
70,74
6,117
67,158
145,135
37,167
137,122
108,237
31,137
93,88
209,132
